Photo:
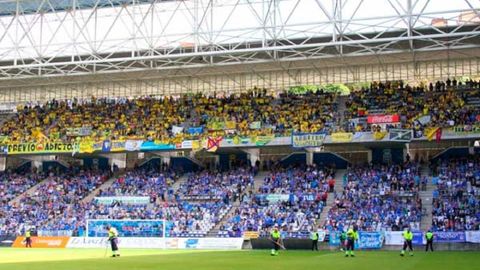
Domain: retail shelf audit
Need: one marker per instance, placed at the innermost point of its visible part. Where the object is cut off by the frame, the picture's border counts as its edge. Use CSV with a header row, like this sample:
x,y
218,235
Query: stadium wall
x,y
306,244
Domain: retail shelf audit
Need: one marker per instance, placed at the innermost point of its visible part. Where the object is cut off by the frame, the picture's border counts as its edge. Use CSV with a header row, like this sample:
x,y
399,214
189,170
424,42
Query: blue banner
x,y
370,240
149,145
449,237
106,146
334,239
195,130
366,240
417,238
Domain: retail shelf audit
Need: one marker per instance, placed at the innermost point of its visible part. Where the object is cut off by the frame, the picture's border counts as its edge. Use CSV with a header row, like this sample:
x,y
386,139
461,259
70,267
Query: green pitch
x,y
92,259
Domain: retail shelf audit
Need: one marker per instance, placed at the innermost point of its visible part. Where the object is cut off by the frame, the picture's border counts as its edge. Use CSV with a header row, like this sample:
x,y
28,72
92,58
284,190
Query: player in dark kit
x,y
113,239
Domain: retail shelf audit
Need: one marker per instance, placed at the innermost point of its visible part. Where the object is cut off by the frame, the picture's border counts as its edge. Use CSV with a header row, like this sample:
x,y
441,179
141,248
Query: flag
x,y
378,135
213,144
438,135
430,132
177,129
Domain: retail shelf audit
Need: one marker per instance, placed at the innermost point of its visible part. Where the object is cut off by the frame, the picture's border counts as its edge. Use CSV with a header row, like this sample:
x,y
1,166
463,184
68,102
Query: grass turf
x,y
135,259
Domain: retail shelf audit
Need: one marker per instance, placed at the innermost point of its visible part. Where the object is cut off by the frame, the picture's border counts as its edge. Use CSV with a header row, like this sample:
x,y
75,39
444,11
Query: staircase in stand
x,y
258,179
427,200
338,189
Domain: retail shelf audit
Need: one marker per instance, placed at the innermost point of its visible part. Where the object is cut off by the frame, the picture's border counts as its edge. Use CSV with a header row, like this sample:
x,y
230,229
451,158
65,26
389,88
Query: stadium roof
x,y
9,7
133,36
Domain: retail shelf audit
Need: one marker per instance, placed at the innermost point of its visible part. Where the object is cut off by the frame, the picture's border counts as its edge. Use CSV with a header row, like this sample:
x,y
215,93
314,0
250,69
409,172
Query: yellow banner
x,y
250,235
342,137
42,148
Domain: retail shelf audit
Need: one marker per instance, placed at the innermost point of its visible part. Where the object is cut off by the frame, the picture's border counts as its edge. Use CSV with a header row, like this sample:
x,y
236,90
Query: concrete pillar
x,y
3,164
309,158
369,155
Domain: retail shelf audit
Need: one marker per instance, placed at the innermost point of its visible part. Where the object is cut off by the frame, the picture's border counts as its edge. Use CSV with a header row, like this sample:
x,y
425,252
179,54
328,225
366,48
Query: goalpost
x,y
156,228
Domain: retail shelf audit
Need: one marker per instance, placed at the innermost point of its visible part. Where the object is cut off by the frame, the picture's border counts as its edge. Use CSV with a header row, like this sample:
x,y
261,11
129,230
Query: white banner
x,y
472,236
394,238
177,129
123,199
158,243
133,145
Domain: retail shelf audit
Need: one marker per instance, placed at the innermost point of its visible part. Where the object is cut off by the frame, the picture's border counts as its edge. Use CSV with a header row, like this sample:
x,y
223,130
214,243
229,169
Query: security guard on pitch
x,y
429,238
352,236
408,238
113,238
314,236
275,237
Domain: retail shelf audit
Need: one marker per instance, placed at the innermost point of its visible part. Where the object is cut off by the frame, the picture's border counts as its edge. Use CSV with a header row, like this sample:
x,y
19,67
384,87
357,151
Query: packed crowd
x,y
456,199
143,182
13,184
185,218
378,198
226,186
167,119
420,107
290,198
54,204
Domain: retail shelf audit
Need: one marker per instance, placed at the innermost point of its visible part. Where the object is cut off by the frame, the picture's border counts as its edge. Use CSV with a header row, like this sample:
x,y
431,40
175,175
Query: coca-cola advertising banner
x,y
383,118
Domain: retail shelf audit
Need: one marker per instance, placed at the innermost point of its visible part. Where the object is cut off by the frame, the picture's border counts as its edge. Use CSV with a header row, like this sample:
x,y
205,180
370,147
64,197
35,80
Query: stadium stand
x,y
456,200
378,198
55,206
154,118
292,198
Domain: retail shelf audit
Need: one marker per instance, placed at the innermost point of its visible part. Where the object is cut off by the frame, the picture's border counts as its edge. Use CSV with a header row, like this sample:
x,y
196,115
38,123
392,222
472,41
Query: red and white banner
x,y
383,118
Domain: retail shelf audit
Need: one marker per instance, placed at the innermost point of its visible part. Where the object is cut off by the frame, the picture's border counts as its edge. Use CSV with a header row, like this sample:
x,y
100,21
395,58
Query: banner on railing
x,y
449,237
41,148
158,242
250,235
301,140
395,238
472,236
370,240
123,200
401,135
383,119
366,240
340,137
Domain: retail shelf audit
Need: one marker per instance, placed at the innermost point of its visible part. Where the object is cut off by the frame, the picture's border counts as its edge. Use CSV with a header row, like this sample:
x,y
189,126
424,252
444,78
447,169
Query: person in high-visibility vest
x,y
314,236
352,236
28,238
429,238
275,237
113,239
408,237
